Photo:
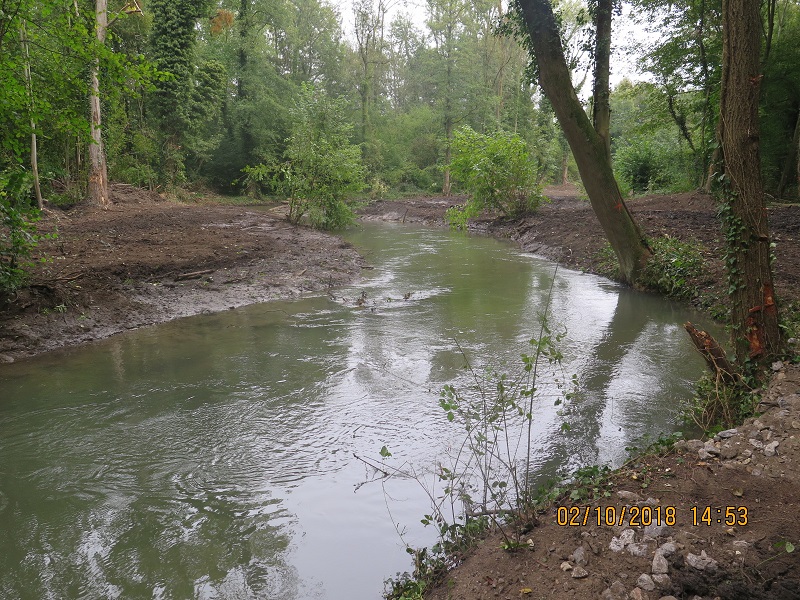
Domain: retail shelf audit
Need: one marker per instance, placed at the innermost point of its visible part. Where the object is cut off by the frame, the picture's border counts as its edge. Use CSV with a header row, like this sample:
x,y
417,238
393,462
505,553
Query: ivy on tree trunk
x,y
754,312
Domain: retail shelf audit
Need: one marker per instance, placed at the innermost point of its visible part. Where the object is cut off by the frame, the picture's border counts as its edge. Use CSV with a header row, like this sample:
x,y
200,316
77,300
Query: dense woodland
x,y
274,98
194,92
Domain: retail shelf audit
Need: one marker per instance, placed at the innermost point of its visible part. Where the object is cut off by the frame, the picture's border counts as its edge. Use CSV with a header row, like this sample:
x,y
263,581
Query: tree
x,y
754,312
322,168
173,40
601,93
98,172
587,146
497,171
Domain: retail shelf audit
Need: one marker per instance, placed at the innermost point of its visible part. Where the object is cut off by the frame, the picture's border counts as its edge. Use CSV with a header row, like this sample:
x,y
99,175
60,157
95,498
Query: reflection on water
x,y
214,457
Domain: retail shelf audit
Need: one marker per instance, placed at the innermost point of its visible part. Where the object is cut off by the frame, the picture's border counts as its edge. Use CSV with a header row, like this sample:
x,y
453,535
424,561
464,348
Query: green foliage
x,y
590,483
322,168
717,405
17,230
498,173
650,164
672,268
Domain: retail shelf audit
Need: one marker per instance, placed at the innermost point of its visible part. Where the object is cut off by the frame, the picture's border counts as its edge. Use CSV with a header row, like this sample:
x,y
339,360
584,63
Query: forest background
x,y
196,95
196,92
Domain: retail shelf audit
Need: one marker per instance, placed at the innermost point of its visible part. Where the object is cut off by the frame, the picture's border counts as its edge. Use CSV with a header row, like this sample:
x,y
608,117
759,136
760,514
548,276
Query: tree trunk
x,y
98,175
34,147
587,146
754,313
791,157
601,94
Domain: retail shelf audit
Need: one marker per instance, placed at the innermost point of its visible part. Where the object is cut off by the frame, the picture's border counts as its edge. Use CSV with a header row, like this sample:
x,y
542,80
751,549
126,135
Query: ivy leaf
x,y
385,452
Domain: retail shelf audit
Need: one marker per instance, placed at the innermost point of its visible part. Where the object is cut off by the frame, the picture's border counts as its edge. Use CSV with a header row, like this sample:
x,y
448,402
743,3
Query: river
x,y
216,456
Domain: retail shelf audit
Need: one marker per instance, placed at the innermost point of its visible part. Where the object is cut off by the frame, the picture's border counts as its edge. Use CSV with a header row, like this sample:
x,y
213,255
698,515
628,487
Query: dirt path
x,y
146,261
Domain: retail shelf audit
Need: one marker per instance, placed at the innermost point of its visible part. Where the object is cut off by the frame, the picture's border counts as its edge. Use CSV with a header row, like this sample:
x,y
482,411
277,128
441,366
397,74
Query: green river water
x,y
213,457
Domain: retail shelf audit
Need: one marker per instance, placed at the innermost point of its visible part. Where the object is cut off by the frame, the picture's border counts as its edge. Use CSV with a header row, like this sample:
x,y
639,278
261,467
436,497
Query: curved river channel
x,y
213,457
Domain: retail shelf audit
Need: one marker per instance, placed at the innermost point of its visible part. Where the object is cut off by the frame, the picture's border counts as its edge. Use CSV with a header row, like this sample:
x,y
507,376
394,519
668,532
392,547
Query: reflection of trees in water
x,y
581,445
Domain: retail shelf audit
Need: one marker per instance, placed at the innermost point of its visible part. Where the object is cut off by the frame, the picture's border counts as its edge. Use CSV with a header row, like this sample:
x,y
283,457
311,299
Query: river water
x,y
215,456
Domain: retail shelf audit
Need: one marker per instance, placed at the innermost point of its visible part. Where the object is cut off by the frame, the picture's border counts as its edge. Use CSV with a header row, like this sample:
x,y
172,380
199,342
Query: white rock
x,y
640,550
660,565
646,582
724,435
771,449
579,573
618,543
667,549
702,563
662,581
565,566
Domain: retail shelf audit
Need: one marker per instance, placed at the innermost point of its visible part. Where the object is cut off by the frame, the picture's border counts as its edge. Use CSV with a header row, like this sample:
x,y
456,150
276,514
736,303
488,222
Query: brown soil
x,y
122,268
147,260
755,468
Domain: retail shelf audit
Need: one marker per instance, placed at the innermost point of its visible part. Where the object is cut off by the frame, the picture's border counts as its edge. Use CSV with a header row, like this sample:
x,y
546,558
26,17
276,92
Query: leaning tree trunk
x,y
601,92
587,146
754,313
98,174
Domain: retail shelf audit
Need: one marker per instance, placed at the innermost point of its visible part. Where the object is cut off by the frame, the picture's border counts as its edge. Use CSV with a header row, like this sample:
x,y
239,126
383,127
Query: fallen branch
x,y
712,352
193,275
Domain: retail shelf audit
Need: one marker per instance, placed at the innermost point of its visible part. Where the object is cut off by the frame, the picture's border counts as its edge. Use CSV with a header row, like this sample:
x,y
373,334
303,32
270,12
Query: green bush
x,y
497,172
654,163
322,168
17,232
673,266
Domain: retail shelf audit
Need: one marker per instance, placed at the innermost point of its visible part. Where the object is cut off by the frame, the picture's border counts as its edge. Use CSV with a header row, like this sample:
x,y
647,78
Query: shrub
x,y
653,163
498,173
322,168
672,267
17,232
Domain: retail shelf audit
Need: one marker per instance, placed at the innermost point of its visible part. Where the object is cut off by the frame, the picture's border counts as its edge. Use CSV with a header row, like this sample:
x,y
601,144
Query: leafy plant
x,y
717,405
498,173
672,267
322,167
18,235
653,163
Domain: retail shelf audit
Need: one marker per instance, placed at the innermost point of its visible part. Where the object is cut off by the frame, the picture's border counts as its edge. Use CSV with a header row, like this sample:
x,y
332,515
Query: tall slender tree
x,y
98,172
587,146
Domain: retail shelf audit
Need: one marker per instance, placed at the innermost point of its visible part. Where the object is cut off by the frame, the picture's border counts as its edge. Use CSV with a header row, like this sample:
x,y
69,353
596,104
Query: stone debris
x,y
771,449
631,497
660,565
618,543
702,562
667,549
579,573
662,581
640,549
646,582
617,591
579,557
